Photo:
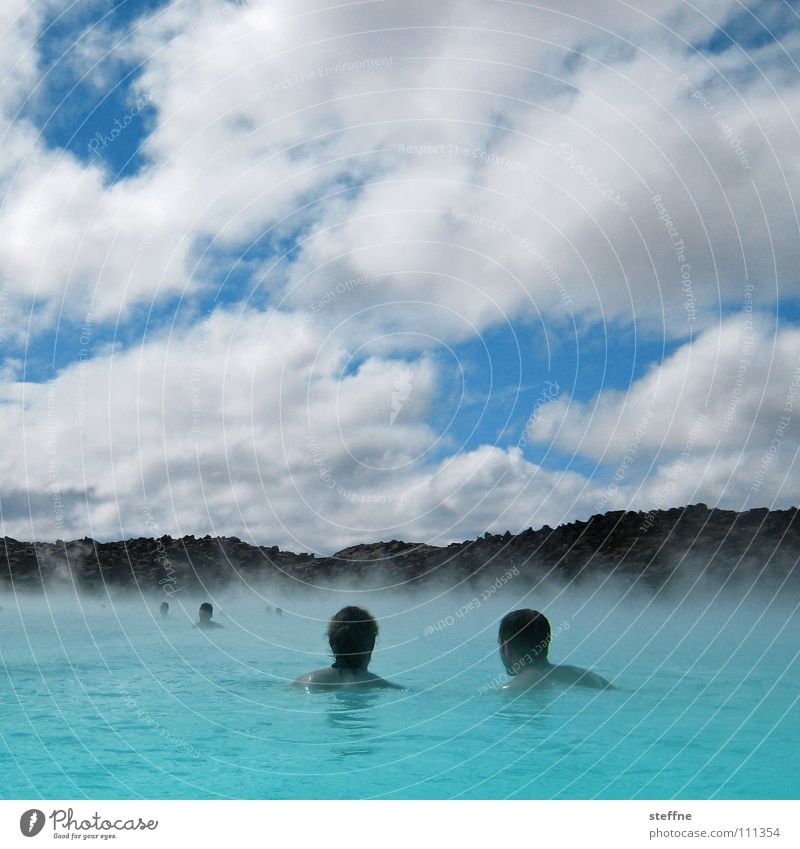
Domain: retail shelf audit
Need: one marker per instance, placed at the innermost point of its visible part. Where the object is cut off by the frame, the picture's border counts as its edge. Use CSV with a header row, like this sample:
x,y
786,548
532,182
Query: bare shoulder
x,y
529,679
324,677
581,677
328,678
556,676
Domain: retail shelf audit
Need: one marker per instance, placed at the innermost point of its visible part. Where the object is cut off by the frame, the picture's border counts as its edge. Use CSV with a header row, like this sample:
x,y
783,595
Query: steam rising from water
x,y
710,674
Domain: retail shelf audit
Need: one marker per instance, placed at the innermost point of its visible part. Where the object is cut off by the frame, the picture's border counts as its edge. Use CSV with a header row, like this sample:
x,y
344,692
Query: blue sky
x,y
315,275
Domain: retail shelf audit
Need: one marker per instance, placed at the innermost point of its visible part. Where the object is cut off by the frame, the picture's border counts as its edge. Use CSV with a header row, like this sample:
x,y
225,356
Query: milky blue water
x,y
115,703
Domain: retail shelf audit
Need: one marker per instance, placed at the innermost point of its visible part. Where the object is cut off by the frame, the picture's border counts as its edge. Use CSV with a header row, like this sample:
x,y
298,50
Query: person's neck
x,y
537,666
352,670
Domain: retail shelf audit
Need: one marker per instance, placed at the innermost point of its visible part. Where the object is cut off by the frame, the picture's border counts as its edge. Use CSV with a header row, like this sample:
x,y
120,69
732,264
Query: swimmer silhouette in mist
x,y
524,641
204,617
351,634
163,609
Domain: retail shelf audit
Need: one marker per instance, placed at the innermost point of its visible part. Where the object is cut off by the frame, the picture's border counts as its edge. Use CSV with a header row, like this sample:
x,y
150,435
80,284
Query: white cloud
x,y
738,375
249,426
718,421
246,426
19,28
439,169
264,111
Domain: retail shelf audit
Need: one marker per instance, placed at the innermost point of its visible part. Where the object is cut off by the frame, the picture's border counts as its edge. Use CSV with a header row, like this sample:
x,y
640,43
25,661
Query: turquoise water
x,y
113,702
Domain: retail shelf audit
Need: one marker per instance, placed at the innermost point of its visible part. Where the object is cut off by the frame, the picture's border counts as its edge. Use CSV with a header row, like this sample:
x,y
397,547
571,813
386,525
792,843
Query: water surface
x,y
114,702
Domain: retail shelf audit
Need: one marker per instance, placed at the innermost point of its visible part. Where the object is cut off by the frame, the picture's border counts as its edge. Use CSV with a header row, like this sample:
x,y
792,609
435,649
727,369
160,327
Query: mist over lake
x,y
106,699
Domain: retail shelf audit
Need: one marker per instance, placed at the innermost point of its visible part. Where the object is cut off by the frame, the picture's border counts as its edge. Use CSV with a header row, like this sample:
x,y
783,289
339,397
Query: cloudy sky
x,y
313,274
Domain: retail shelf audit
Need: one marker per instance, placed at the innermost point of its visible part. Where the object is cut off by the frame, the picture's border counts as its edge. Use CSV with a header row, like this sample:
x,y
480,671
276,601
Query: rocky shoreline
x,y
654,548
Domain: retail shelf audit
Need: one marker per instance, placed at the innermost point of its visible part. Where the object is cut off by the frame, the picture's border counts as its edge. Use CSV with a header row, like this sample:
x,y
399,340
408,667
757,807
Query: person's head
x,y
164,608
206,611
524,639
352,633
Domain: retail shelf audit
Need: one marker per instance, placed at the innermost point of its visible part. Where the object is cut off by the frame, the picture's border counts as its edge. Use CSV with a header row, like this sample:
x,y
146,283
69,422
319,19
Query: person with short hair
x,y
204,620
351,635
163,609
524,640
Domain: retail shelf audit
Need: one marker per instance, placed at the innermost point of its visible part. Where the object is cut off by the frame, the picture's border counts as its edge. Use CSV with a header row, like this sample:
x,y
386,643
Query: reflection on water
x,y
527,708
355,716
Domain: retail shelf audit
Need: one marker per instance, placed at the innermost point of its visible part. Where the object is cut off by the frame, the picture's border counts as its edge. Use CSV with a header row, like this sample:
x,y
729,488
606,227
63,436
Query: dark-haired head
x,y
206,610
524,639
351,634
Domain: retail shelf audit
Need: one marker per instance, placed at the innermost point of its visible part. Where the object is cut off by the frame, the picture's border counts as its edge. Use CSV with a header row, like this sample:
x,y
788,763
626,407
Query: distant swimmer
x,y
164,609
204,621
524,641
351,634
278,611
